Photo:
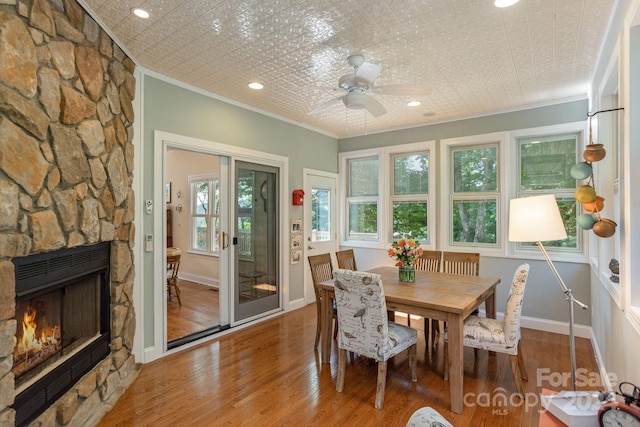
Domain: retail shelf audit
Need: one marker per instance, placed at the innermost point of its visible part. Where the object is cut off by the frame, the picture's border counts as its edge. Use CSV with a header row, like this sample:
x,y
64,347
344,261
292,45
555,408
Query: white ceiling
x,y
476,59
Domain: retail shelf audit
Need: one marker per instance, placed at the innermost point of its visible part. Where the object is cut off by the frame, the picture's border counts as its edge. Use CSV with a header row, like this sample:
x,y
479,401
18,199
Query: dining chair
x,y
173,264
321,270
427,417
346,259
461,263
365,329
428,261
499,336
457,263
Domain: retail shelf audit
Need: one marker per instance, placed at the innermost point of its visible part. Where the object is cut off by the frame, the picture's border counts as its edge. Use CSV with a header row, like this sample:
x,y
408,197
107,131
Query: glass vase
x,y
407,273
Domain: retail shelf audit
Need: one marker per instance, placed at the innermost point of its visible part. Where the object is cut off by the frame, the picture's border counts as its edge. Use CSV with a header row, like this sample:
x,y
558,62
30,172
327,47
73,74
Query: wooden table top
x,y
451,293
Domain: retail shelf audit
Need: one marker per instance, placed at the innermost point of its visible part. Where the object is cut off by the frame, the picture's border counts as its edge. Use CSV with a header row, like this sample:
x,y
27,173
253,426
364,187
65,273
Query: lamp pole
x,y
569,294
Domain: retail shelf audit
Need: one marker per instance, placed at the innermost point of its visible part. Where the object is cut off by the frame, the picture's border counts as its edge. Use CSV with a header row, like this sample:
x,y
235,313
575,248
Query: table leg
x,y
490,305
327,320
456,364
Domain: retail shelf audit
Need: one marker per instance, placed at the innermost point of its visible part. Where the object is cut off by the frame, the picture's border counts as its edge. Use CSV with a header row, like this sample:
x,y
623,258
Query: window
x,y
387,195
474,197
410,196
320,214
543,166
362,199
205,213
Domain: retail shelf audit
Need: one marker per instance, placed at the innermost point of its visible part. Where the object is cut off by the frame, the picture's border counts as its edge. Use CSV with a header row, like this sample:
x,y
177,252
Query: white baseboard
x,y
294,305
209,281
581,331
604,376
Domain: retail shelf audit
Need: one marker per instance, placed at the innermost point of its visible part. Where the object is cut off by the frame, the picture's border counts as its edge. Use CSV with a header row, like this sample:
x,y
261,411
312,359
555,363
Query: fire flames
x,y
35,346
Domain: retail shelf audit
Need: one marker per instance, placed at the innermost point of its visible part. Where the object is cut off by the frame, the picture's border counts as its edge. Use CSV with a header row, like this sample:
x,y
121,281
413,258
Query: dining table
x,y
433,295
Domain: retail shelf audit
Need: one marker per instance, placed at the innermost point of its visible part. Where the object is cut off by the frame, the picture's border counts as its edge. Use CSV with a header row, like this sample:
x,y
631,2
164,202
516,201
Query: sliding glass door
x,y
256,241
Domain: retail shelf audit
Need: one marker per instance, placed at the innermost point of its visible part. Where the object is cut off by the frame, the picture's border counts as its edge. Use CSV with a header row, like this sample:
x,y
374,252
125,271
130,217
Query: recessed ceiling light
x,y
256,85
429,114
141,13
505,3
413,103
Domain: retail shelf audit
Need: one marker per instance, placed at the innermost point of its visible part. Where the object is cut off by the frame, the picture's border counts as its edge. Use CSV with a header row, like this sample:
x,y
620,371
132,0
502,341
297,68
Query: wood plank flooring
x,y
200,309
270,375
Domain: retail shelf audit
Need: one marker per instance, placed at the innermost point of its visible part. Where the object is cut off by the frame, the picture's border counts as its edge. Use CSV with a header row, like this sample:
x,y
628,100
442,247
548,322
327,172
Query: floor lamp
x,y
537,219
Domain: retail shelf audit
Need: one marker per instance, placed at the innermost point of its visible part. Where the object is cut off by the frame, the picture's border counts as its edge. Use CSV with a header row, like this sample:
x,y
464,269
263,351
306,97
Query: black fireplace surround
x,y
58,271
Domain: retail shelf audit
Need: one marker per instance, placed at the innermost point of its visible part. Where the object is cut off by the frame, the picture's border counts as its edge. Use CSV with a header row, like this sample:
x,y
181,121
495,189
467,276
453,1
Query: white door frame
x,y
161,140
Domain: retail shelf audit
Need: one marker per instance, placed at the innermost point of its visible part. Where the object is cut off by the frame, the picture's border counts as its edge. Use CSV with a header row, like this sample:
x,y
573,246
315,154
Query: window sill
x,y
206,254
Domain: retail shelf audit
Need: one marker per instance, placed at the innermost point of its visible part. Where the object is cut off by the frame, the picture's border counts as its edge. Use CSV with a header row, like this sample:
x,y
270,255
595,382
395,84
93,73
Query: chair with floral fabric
x,y
500,336
365,329
427,417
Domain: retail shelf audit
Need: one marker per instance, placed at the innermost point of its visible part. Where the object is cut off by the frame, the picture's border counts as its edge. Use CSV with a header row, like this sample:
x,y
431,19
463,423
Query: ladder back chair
x,y
500,336
321,271
365,329
346,260
464,263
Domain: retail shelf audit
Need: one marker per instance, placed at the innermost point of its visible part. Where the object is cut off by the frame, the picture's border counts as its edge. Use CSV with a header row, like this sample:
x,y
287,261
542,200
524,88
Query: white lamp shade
x,y
535,219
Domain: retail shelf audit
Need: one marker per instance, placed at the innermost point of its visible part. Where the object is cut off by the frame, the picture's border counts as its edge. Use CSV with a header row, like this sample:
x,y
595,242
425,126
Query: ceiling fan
x,y
359,85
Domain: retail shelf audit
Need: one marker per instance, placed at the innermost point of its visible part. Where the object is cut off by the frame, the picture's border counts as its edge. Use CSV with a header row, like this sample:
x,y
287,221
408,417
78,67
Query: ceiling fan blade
x,y
374,107
323,88
366,73
325,105
401,90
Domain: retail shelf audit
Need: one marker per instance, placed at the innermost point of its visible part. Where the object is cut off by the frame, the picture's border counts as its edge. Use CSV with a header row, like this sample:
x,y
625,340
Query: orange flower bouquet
x,y
405,251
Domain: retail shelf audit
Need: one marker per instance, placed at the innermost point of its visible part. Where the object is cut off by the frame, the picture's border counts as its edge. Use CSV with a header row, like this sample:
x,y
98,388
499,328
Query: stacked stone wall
x,y
66,169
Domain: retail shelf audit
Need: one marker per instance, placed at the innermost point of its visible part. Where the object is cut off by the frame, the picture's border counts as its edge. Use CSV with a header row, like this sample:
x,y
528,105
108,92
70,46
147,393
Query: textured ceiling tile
x,y
474,57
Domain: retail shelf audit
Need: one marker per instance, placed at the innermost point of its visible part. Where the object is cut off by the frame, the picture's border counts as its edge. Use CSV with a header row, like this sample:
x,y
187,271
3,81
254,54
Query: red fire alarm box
x,y
298,196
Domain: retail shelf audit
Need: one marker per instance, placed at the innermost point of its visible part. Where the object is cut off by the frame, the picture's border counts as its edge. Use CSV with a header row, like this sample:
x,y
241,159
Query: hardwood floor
x,y
200,310
269,375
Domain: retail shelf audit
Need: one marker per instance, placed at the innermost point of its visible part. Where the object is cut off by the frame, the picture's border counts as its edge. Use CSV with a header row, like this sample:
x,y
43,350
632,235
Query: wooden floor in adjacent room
x,y
270,375
200,309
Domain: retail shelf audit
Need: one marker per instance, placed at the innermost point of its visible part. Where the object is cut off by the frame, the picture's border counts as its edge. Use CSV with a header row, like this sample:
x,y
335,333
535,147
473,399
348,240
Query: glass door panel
x,y
256,241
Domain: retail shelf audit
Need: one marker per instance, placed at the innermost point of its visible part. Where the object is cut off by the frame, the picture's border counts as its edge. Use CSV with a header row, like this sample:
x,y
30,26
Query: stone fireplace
x,y
66,168
62,323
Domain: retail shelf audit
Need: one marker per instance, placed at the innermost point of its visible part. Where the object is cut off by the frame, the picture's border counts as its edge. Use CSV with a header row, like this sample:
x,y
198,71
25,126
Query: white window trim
x,y
211,177
534,253
384,192
408,197
610,84
500,139
630,152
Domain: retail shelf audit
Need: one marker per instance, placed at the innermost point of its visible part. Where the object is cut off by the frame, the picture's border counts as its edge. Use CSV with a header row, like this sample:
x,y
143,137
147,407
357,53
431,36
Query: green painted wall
x,y
170,108
568,112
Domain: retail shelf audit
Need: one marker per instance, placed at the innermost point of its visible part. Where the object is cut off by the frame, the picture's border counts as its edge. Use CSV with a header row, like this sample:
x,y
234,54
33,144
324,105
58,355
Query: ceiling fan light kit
x,y
359,86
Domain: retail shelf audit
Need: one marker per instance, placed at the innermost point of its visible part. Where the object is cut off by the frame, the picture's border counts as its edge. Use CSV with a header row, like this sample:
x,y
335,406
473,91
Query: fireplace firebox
x,y
62,316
